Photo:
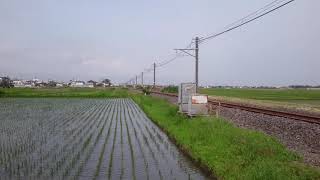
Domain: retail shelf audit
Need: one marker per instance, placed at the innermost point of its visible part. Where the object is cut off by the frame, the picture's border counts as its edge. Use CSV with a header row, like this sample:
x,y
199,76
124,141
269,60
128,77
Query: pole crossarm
x,y
186,51
196,56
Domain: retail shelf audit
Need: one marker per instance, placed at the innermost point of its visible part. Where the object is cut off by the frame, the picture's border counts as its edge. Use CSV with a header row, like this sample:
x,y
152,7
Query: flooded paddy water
x,y
85,139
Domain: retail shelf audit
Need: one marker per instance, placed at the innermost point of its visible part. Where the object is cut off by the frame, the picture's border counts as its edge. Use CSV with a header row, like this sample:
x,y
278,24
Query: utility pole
x,y
196,56
197,63
142,79
154,75
136,80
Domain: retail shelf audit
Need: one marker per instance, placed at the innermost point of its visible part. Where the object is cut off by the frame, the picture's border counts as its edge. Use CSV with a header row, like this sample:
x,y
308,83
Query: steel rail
x,y
261,110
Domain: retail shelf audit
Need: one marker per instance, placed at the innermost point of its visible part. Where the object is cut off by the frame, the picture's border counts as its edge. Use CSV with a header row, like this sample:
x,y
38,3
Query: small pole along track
x,y
266,111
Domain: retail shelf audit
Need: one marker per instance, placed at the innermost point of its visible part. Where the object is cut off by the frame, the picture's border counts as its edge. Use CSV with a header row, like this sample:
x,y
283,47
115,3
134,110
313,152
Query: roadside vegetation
x,y
170,89
65,92
227,151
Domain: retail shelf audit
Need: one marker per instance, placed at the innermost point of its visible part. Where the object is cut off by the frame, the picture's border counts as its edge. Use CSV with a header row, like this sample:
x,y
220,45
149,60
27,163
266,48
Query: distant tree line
x,y
303,86
5,82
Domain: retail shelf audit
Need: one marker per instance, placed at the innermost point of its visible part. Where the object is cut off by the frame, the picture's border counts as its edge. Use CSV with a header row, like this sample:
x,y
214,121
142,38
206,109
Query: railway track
x,y
271,112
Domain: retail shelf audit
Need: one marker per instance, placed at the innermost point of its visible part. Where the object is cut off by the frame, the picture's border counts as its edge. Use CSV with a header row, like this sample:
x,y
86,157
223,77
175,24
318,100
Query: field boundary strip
x,y
271,112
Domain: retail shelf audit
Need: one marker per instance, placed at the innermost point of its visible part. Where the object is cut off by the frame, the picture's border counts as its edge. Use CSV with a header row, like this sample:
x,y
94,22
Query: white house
x,y
28,83
77,84
35,80
18,83
90,85
59,84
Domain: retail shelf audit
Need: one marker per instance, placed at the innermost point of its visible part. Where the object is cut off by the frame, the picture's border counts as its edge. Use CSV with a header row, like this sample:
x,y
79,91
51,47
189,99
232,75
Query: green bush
x,y
170,89
146,90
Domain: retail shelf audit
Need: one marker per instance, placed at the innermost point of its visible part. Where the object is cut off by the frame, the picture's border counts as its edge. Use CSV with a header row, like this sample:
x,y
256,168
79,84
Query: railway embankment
x,y
228,151
297,135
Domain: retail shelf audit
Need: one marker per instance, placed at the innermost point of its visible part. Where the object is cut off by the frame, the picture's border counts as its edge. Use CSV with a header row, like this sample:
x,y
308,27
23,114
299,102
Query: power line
x,y
244,23
270,7
177,55
163,63
167,61
259,11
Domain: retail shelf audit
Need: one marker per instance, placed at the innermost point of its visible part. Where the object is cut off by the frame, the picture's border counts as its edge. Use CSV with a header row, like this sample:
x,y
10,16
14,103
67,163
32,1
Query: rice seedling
x,y
48,138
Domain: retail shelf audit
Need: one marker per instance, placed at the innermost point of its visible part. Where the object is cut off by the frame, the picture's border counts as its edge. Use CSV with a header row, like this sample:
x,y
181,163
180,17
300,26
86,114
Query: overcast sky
x,y
93,39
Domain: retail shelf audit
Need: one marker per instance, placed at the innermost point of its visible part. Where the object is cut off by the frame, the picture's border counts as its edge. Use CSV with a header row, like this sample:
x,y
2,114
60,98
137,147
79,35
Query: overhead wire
x,y
245,22
177,55
267,9
264,8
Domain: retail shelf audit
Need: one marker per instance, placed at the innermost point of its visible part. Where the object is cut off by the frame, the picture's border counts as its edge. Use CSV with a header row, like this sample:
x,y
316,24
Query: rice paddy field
x,y
100,133
298,97
52,138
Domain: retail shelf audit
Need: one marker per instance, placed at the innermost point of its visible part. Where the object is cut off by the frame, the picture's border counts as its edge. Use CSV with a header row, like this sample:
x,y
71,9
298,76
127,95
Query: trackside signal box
x,y
190,102
185,90
198,105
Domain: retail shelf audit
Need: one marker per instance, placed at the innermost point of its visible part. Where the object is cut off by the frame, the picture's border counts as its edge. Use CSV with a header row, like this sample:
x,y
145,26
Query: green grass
x,y
64,92
170,89
303,96
228,151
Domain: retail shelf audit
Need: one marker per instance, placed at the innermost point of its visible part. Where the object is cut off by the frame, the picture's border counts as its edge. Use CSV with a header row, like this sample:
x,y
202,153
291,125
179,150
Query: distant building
x,y
91,84
106,82
103,85
17,83
36,81
29,84
41,84
59,85
52,84
77,84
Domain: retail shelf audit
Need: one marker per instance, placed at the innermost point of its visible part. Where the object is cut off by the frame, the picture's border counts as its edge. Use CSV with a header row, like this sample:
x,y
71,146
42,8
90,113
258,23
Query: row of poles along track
x,y
193,48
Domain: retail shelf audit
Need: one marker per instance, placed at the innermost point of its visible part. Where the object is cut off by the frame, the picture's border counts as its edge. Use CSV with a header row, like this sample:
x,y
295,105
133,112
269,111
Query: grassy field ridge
x,y
227,151
65,92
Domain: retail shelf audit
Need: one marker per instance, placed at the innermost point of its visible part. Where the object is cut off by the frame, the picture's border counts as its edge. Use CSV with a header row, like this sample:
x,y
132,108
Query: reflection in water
x,y
86,139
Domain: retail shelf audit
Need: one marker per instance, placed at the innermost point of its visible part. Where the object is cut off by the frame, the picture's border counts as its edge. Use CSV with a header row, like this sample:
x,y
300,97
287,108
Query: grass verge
x,y
170,89
227,151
